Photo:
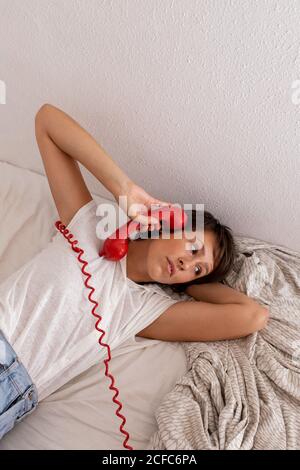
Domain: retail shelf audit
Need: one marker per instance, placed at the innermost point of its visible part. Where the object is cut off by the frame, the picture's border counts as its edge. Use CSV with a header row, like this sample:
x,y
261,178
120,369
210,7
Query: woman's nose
x,y
185,264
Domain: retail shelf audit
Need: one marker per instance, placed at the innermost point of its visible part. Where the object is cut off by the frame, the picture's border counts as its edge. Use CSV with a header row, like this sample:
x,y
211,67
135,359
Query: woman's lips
x,y
170,267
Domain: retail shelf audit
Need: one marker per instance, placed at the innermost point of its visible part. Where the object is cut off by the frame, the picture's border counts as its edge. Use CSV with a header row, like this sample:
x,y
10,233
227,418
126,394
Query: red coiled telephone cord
x,y
62,228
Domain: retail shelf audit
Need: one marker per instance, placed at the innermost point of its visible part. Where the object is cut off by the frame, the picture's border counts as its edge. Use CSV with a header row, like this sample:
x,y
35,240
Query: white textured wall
x,y
193,99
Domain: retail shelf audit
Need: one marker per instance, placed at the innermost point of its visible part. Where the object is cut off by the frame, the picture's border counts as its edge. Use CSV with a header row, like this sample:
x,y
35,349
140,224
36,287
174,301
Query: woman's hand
x,y
136,201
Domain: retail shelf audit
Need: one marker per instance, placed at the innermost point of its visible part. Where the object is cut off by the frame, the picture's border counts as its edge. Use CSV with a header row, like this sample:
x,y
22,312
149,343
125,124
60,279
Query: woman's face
x,y
193,256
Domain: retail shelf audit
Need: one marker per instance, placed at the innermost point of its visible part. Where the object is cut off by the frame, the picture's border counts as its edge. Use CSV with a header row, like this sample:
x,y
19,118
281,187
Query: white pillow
x,y
27,214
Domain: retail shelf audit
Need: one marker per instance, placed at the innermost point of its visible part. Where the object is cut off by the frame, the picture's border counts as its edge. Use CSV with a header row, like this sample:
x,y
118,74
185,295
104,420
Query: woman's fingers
x,y
144,228
162,203
147,223
146,220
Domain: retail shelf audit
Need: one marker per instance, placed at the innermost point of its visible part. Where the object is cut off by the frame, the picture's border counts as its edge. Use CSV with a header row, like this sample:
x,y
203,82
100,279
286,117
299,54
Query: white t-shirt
x,y
46,315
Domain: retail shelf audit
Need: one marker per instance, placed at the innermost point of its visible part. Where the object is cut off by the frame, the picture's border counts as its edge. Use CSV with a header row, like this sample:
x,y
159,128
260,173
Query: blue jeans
x,y
18,394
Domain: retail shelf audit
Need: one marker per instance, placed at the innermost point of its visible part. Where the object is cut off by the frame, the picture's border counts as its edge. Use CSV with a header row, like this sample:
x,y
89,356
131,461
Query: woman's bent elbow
x,y
261,317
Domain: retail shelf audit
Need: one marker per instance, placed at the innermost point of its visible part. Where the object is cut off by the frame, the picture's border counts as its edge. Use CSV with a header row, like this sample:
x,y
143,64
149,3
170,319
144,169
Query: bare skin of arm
x,y
63,143
218,293
204,321
218,313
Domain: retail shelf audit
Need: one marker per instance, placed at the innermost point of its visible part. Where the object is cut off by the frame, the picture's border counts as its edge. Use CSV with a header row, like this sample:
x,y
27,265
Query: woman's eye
x,y
199,272
199,268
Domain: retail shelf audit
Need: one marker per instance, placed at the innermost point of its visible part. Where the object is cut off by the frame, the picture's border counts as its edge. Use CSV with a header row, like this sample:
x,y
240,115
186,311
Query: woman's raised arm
x,y
63,143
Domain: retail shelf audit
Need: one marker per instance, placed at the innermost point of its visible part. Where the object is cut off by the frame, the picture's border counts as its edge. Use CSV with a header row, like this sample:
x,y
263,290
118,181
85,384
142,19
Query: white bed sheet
x,y
81,415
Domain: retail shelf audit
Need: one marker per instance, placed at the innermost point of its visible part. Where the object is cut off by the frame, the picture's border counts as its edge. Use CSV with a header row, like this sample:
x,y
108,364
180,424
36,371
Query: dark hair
x,y
225,241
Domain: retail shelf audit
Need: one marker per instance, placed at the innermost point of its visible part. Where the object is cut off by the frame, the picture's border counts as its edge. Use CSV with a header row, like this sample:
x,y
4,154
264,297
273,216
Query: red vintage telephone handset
x,y
115,248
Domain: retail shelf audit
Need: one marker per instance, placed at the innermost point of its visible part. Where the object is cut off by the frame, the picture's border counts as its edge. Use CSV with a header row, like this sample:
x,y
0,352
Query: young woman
x,y
47,331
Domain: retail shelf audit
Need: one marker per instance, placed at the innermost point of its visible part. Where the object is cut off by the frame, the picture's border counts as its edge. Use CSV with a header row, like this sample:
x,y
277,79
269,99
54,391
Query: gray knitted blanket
x,y
244,393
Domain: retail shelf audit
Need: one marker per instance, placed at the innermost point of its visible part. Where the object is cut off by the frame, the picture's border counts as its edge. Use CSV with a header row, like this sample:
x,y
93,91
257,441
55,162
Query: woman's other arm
x,y
205,321
217,293
219,312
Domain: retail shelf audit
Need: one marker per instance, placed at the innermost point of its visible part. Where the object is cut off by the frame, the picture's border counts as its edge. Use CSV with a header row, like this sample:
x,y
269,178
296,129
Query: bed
x,y
238,394
81,414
